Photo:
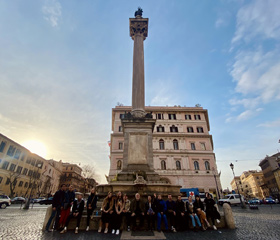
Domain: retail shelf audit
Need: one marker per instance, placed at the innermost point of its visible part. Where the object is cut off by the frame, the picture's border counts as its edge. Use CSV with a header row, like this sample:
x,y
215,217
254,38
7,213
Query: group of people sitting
x,y
115,208
62,203
176,212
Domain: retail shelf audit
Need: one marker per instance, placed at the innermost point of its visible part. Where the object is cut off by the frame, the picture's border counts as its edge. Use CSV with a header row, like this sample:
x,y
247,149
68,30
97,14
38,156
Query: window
x,y
197,117
1,178
178,165
196,165
25,185
30,173
25,171
172,116
202,145
160,128
17,154
8,181
119,164
121,116
11,151
2,146
161,144
159,116
163,165
193,146
175,144
20,184
173,129
199,129
207,165
120,145
120,128
188,117
5,165
190,129
12,167
22,156
28,160
19,169
33,162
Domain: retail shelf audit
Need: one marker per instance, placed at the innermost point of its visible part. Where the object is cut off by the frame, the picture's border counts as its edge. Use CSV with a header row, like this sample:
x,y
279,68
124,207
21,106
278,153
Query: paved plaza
x,y
251,224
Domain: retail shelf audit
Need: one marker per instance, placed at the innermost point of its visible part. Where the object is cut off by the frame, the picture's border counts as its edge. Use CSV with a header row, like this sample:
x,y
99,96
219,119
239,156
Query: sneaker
x,y
76,230
128,228
64,230
106,230
214,227
113,231
87,228
117,232
208,224
218,221
99,229
174,230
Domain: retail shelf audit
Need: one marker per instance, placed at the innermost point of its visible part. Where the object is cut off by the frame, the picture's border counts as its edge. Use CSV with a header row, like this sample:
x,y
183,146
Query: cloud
x,y
275,123
259,18
245,115
256,65
52,12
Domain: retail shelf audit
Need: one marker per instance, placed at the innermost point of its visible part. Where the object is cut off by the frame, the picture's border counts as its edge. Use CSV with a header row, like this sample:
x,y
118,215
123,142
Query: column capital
x,y
137,26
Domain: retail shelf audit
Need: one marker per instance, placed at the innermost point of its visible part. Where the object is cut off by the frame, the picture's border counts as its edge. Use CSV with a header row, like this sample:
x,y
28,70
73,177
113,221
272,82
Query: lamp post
x,y
27,203
241,202
217,188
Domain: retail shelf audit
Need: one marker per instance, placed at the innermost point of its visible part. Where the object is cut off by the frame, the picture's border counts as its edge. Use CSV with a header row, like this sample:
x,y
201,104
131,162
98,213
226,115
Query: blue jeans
x,y
159,217
195,217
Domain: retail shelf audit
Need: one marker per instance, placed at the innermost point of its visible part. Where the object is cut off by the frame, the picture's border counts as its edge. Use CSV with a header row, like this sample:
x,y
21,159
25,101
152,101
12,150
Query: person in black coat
x,y
181,219
91,205
150,213
211,210
57,206
171,212
77,212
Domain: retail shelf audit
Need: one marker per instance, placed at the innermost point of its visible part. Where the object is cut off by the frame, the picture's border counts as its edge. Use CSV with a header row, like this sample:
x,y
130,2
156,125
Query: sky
x,y
65,64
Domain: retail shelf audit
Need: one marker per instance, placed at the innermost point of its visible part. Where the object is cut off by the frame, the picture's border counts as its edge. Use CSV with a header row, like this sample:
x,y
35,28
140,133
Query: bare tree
x,y
13,176
88,171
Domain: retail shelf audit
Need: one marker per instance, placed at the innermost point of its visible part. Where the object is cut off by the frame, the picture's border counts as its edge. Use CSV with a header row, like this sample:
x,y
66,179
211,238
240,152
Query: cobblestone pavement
x,y
251,224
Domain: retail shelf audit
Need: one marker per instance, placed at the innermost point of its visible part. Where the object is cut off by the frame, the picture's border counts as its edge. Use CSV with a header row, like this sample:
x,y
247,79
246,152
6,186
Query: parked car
x,y
4,201
18,200
269,201
232,199
254,201
37,200
46,201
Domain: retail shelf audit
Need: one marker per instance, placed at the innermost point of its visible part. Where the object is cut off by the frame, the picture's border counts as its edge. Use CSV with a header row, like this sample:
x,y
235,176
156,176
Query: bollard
x,y
229,219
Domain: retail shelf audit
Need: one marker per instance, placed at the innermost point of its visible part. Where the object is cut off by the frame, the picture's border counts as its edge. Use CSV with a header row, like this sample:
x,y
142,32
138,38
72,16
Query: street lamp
x,y
241,202
27,203
217,188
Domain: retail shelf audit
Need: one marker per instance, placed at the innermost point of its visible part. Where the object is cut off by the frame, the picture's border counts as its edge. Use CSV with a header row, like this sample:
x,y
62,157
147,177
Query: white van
x,y
232,199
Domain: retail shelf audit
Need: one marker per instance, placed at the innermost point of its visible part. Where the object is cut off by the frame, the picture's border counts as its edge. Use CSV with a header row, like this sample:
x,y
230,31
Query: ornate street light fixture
x,y
217,188
241,202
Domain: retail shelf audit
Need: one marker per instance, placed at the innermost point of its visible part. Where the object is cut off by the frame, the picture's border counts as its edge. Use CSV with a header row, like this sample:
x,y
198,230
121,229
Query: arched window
x,y
119,165
173,129
196,165
160,128
178,165
163,165
175,144
161,144
207,165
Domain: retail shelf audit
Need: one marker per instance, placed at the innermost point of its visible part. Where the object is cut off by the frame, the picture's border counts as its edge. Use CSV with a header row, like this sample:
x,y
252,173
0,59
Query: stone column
x,y
138,32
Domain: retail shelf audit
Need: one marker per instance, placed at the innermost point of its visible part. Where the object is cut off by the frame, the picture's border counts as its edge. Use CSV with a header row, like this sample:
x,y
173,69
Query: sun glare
x,y
36,147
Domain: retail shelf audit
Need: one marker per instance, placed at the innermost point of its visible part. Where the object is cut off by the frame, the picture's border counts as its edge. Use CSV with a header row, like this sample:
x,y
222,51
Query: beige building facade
x,y
20,170
182,146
